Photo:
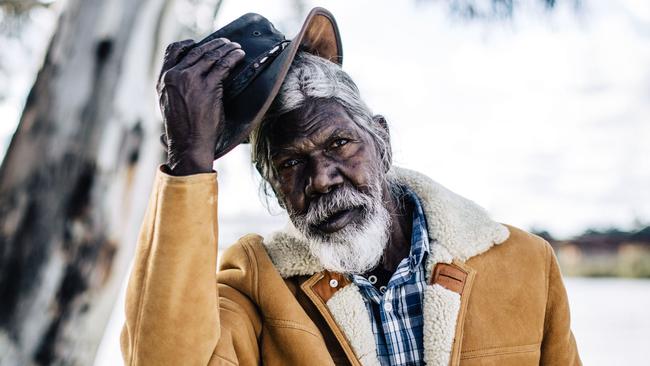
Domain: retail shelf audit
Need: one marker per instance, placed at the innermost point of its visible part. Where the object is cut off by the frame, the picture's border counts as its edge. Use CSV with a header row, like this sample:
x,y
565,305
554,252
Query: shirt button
x,y
372,279
382,289
334,283
388,307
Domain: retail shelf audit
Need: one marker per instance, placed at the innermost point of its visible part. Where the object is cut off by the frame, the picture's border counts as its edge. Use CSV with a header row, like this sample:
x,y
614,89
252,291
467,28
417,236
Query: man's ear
x,y
387,156
275,194
280,201
381,120
268,185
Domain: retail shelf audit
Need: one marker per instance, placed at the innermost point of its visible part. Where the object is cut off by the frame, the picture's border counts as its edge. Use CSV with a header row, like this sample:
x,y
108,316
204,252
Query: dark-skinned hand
x,y
190,91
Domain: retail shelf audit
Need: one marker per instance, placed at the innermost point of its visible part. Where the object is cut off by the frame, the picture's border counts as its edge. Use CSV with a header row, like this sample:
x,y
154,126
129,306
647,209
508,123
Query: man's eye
x,y
340,142
289,163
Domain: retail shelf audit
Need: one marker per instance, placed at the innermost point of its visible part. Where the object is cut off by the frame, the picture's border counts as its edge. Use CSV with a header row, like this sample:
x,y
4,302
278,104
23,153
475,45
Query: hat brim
x,y
320,36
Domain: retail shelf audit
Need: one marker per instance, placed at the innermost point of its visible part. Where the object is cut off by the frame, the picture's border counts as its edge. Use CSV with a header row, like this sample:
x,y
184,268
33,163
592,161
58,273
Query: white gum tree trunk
x,y
76,179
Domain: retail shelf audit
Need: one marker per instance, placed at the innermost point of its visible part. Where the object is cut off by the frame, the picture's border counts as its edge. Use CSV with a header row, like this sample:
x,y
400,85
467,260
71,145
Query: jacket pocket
x,y
508,355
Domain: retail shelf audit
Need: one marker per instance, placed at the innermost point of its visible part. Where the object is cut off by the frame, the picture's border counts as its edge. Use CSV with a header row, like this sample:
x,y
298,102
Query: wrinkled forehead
x,y
315,117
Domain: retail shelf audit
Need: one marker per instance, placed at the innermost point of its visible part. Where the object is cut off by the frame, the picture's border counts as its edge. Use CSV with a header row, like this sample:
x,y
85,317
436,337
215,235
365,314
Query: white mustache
x,y
343,198
355,248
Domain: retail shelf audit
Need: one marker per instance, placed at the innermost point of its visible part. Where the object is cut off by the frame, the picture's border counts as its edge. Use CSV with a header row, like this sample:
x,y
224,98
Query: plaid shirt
x,y
396,314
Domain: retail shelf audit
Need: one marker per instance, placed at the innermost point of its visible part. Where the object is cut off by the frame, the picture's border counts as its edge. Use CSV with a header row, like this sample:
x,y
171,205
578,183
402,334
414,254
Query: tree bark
x,y
75,179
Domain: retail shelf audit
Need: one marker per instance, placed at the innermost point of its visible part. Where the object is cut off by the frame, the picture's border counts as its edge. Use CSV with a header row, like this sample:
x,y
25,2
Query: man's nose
x,y
323,178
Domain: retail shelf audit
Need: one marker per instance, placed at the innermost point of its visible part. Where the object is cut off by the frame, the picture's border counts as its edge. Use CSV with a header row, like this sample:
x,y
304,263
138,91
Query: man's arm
x,y
558,345
176,313
171,302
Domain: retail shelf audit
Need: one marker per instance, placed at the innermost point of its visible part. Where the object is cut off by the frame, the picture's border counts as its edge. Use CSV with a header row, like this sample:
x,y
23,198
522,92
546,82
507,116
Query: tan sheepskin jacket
x,y
495,293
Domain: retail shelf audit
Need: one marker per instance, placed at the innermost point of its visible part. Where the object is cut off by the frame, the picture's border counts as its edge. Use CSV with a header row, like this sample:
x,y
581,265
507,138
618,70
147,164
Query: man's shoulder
x,y
280,253
243,253
249,267
524,240
245,264
521,251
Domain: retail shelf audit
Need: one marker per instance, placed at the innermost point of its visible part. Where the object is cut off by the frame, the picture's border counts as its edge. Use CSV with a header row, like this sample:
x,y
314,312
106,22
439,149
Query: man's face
x,y
328,176
316,150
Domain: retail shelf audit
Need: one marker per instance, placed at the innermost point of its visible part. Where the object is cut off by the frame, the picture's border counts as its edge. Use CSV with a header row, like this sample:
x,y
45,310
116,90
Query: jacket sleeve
x,y
558,344
174,312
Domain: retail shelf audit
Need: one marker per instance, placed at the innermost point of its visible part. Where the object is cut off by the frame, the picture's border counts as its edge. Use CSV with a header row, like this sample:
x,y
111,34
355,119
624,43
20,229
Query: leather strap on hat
x,y
240,81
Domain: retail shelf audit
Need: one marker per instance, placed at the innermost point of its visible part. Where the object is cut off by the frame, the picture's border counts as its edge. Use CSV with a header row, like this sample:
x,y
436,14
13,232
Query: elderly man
x,y
378,265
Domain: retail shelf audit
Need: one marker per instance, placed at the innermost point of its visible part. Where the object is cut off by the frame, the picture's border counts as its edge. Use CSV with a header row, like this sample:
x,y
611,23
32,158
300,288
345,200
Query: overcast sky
x,y
543,120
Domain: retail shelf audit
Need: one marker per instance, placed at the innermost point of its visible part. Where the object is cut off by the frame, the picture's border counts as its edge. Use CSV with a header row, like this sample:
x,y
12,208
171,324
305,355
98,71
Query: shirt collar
x,y
418,251
419,233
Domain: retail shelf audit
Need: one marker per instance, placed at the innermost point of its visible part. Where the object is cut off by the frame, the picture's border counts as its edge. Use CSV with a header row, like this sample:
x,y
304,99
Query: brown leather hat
x,y
254,83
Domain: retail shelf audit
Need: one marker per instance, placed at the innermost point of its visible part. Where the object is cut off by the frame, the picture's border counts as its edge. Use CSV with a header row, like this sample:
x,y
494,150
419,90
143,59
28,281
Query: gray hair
x,y
310,78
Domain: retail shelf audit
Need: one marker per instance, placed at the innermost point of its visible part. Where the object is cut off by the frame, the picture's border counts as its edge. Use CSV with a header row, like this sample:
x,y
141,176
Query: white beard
x,y
356,248
357,251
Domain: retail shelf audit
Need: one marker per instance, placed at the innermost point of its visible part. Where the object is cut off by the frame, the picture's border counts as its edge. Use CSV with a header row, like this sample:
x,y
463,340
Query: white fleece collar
x,y
458,228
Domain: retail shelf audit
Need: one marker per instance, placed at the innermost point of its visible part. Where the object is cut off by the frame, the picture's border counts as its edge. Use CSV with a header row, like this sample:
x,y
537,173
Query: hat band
x,y
238,83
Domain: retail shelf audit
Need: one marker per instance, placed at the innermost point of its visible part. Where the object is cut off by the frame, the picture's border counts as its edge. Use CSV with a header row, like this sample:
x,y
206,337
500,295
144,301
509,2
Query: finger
x,y
172,53
196,53
222,68
210,57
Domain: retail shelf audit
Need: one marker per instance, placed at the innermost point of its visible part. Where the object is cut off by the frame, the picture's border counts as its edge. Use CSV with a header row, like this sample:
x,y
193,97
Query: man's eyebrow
x,y
337,132
281,150
342,131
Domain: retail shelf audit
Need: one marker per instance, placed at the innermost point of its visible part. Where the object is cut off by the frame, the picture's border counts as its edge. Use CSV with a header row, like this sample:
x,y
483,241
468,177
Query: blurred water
x,y
610,319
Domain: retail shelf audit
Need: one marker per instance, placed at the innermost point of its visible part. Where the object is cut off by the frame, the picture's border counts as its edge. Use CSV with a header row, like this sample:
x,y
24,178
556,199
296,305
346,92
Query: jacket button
x,y
334,283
